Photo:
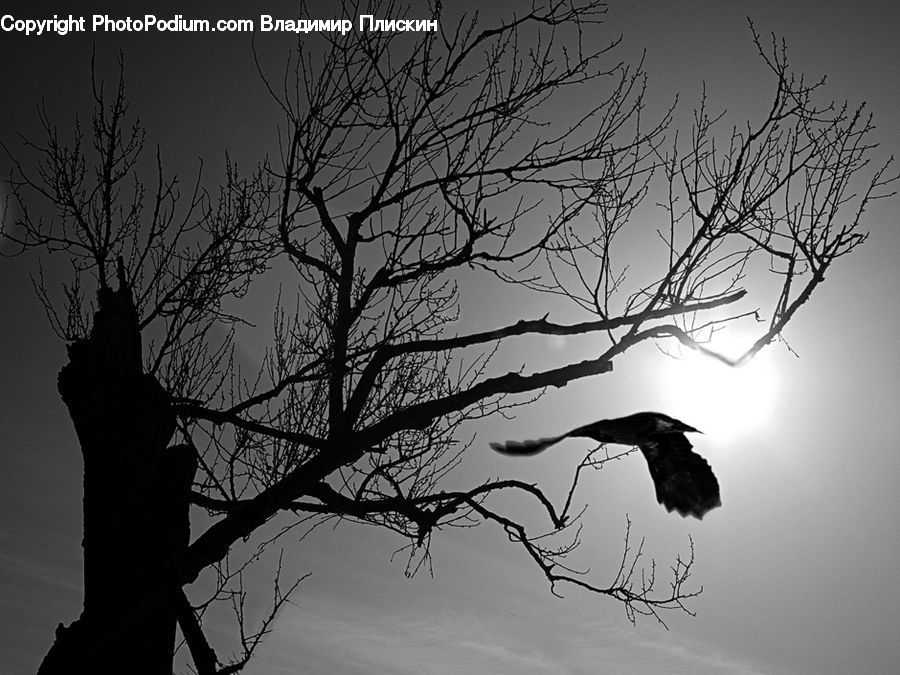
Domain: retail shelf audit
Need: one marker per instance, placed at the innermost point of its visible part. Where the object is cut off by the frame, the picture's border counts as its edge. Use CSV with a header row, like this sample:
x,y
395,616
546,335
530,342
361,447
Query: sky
x,y
798,565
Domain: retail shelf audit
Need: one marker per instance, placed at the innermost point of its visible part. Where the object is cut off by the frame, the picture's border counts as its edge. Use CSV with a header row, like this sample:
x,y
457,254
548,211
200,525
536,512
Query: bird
x,y
684,481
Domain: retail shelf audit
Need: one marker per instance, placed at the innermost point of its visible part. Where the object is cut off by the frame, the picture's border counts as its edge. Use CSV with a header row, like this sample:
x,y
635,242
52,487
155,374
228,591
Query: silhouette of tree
x,y
518,153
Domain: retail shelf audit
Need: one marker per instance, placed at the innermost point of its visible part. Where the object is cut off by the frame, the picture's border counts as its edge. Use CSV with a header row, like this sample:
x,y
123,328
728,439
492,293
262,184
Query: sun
x,y
728,402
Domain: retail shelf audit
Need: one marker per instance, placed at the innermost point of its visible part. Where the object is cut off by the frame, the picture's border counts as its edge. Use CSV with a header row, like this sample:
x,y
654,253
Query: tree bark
x,y
136,511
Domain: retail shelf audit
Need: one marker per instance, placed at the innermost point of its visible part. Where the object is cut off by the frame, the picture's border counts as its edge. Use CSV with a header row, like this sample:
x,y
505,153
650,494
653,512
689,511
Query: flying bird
x,y
684,480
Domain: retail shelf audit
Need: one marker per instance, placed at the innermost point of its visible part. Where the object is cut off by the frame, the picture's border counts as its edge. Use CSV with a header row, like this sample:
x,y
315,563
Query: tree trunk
x,y
136,511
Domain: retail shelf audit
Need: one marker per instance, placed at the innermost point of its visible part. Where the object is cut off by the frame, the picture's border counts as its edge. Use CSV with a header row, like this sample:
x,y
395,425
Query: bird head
x,y
667,423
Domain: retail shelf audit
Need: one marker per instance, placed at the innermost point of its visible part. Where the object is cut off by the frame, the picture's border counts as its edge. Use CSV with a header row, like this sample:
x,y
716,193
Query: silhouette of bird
x,y
684,480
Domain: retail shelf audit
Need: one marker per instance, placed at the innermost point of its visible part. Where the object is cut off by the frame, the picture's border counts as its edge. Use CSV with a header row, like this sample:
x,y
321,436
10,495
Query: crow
x,y
684,480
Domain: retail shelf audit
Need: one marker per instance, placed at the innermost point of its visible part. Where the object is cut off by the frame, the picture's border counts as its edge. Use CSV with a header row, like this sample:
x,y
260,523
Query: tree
x,y
404,165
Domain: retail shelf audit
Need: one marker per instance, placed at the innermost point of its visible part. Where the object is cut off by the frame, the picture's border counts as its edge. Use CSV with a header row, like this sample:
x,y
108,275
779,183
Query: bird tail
x,y
526,447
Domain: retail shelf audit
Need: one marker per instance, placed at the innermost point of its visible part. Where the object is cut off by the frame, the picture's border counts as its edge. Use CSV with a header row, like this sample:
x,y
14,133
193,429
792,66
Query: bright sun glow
x,y
716,398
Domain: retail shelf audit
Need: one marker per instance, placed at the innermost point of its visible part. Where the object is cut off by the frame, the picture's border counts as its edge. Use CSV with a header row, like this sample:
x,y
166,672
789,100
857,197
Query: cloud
x,y
28,570
485,611
339,634
326,634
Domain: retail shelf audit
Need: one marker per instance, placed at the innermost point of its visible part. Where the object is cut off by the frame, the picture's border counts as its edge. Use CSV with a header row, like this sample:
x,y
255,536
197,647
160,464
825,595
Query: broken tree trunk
x,y
136,512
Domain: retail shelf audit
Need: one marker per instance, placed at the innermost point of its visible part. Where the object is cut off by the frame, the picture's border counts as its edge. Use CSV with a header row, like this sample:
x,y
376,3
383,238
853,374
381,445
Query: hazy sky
x,y
798,566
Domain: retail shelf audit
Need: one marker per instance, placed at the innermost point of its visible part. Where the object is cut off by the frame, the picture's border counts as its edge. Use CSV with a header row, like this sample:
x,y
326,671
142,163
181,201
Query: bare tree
x,y
405,164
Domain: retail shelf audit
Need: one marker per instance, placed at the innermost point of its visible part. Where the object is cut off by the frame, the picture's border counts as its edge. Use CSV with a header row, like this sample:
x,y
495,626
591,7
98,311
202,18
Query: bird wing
x,y
526,447
684,480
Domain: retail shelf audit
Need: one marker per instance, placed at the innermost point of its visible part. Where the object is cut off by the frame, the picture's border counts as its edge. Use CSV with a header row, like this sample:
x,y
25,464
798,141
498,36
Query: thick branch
x,y
524,327
219,417
421,415
205,659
